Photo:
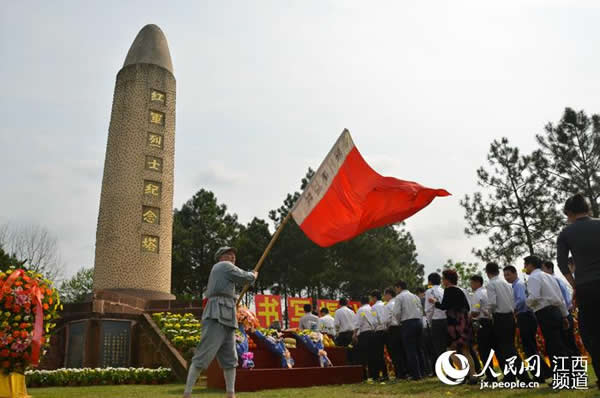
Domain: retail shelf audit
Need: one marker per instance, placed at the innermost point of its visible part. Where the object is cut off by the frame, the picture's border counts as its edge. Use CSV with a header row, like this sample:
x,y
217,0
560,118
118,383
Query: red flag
x,y
346,197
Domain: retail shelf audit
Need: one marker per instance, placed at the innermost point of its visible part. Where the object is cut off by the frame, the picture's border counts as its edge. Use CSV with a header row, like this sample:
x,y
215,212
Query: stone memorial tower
x,y
133,238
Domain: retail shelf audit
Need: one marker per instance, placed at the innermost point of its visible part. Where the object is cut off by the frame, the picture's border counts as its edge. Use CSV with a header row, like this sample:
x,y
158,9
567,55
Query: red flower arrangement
x,y
28,306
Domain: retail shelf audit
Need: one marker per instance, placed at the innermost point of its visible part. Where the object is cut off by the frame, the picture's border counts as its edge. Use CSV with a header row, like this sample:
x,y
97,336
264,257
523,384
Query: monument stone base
x,y
116,329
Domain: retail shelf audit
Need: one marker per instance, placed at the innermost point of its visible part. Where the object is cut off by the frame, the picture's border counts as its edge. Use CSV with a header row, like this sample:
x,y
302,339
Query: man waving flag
x,y
347,197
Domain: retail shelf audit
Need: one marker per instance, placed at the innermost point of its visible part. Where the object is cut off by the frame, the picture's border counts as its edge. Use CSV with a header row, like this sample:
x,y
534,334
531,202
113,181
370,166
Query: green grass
x,y
429,388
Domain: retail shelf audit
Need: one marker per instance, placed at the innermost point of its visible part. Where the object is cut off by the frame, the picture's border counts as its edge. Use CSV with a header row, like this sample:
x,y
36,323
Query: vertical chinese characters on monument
x,y
150,243
154,141
153,163
152,189
150,215
157,117
158,96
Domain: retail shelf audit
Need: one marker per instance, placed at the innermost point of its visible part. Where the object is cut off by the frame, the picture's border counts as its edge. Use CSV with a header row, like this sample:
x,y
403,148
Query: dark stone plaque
x,y
115,343
76,345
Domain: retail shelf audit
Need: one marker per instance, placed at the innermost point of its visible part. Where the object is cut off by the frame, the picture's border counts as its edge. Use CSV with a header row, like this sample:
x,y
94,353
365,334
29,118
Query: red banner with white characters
x,y
268,309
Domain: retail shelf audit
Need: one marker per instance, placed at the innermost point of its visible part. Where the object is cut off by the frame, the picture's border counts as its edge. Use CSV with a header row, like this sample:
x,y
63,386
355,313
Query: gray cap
x,y
223,250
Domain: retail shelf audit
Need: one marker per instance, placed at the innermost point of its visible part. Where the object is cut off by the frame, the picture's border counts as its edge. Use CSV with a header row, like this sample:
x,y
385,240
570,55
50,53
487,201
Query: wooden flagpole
x,y
265,253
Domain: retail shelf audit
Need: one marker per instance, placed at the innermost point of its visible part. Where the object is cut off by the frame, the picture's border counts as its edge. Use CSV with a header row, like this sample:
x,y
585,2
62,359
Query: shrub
x,y
88,376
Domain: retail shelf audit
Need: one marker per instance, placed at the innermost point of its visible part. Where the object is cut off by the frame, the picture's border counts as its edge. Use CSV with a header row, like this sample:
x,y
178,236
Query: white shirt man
x,y
327,324
390,319
409,312
543,291
480,306
365,319
407,306
344,320
309,322
500,296
431,312
380,314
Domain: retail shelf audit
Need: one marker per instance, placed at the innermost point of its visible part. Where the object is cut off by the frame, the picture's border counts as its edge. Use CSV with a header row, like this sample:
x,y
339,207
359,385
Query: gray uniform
x,y
219,319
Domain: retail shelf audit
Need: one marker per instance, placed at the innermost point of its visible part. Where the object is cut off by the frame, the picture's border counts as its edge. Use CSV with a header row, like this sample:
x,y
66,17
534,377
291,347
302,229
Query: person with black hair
x,y
435,316
455,303
483,331
378,350
526,321
568,335
409,313
501,304
343,320
366,320
393,339
309,321
581,239
326,322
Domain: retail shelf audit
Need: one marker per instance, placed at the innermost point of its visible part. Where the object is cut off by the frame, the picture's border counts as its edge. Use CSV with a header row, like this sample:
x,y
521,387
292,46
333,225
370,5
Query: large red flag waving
x,y
347,197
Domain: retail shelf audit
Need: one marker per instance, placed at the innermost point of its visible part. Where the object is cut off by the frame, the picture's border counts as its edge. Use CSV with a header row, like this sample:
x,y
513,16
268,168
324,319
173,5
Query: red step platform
x,y
266,379
268,373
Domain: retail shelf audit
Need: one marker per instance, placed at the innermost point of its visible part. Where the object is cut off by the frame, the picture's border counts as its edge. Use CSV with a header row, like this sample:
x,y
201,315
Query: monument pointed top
x,y
150,47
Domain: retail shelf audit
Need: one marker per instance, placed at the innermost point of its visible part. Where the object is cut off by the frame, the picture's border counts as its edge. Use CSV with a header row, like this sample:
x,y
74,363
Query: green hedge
x,y
88,376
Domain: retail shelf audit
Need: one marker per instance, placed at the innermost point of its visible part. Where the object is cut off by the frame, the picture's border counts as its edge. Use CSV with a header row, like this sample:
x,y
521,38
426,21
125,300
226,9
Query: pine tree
x,y
570,153
518,213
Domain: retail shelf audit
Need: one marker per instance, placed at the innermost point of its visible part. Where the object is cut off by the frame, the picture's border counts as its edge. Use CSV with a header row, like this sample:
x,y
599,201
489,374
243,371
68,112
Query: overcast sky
x,y
265,87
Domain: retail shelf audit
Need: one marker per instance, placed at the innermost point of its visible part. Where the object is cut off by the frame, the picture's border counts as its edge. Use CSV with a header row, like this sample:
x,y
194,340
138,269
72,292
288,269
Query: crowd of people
x,y
418,328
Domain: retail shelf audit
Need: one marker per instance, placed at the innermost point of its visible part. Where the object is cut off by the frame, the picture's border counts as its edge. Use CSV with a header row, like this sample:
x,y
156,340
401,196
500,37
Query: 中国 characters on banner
x,y
296,309
331,305
268,309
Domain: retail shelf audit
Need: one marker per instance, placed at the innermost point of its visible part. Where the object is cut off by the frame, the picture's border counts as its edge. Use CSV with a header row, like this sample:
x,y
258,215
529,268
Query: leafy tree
x,y
518,214
464,270
298,260
251,243
375,260
571,154
200,227
79,287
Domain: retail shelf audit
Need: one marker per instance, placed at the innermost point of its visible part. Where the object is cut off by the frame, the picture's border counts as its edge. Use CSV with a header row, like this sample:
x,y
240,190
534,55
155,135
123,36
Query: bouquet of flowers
x,y
248,360
314,342
247,318
30,305
241,342
273,340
